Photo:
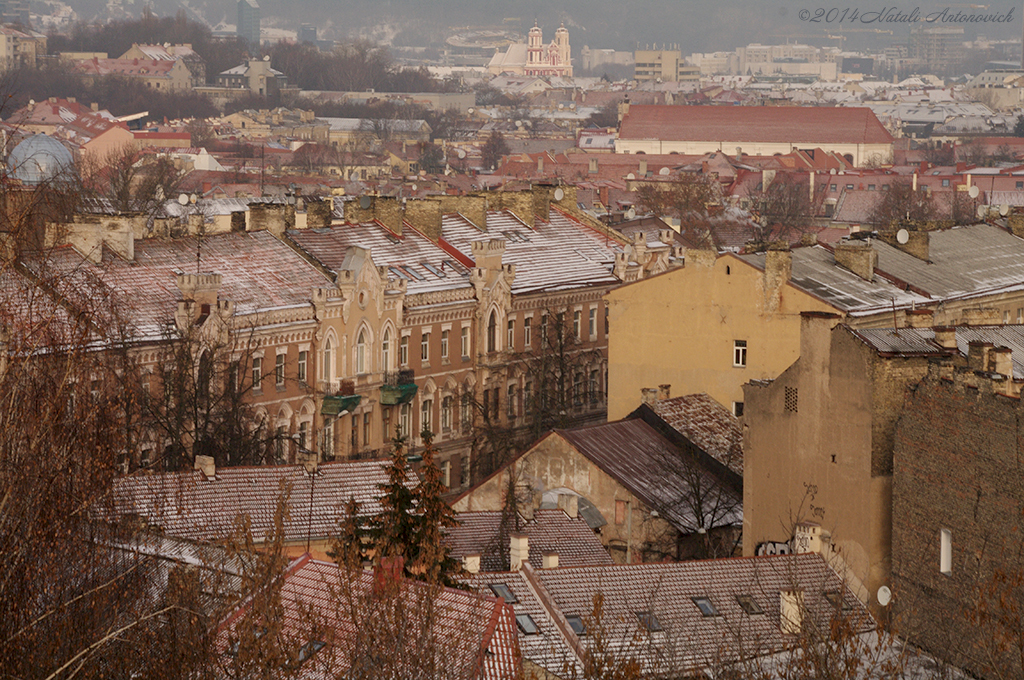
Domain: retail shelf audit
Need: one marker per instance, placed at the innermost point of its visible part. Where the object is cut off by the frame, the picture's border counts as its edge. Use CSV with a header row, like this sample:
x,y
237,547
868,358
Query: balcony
x,y
334,405
398,388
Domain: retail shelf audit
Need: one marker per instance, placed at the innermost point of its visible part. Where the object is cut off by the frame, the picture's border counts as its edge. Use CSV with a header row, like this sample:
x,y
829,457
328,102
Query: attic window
x,y
413,273
748,605
836,599
649,621
526,624
399,273
433,270
456,266
309,649
705,606
503,591
577,625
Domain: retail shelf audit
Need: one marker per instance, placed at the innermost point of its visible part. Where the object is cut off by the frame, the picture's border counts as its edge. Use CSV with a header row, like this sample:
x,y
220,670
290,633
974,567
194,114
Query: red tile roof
x,y
188,505
480,533
472,636
767,124
707,424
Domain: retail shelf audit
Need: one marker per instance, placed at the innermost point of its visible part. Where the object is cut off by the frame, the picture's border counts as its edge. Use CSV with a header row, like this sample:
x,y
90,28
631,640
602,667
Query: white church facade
x,y
534,58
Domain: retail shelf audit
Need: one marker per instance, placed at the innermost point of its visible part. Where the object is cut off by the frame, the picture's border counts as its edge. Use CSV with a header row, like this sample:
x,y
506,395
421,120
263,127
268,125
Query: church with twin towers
x,y
534,58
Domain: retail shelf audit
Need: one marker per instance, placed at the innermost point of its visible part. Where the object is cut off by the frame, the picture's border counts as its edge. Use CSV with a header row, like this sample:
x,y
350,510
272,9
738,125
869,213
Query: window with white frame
x,y
446,414
404,420
279,370
510,405
946,552
425,348
300,371
444,345
328,361
257,374
426,411
446,473
739,353
403,351
527,332
510,341
385,351
465,341
576,323
361,352
593,322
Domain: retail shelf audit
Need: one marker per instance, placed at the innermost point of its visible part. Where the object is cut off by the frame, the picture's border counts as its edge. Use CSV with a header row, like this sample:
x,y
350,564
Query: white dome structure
x,y
38,159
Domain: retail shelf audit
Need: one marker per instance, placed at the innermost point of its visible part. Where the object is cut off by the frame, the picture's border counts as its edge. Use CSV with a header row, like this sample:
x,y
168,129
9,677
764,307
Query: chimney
x,y
816,338
664,391
94,106
919,318
471,563
857,256
425,215
791,611
572,506
649,395
310,462
977,355
945,337
519,551
807,538
540,164
642,170
1000,360
916,245
207,466
592,166
778,268
550,559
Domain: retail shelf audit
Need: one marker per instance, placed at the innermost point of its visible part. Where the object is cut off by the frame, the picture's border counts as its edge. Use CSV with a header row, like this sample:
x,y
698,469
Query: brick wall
x,y
957,466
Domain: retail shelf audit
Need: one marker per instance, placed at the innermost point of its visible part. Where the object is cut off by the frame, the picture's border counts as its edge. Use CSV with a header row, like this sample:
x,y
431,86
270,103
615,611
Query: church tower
x,y
564,54
534,48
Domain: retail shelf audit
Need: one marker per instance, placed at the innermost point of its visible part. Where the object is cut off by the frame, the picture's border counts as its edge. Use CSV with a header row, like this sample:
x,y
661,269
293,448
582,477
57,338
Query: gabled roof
x,y
480,533
658,472
707,424
688,640
188,505
818,126
473,635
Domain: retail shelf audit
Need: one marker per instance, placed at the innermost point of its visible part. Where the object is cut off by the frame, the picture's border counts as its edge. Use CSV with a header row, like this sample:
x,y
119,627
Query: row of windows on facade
x,y
361,357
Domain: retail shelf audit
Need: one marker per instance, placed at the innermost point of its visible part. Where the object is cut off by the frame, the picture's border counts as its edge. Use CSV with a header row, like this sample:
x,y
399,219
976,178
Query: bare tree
x,y
903,202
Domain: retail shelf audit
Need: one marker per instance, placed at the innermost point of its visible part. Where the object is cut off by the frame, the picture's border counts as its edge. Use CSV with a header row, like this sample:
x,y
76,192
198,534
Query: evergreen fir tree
x,y
395,530
347,549
435,564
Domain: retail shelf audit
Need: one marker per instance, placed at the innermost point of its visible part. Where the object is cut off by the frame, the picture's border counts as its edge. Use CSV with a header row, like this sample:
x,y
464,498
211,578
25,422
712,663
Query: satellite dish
x,y
519,123
982,211
365,202
413,187
192,199
470,110
460,153
884,596
1004,210
183,199
973,191
630,176
665,171
266,58
630,214
561,106
559,194
902,236
572,106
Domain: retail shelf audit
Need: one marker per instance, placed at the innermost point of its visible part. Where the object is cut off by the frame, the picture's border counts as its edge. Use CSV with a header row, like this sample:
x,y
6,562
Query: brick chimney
x,y
945,337
649,395
642,170
857,256
550,559
983,316
519,551
778,269
207,466
791,611
425,215
664,392
977,355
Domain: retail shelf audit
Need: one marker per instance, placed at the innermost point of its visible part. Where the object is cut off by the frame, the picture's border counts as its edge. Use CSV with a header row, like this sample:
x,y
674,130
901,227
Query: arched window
x,y
385,350
328,360
361,352
492,333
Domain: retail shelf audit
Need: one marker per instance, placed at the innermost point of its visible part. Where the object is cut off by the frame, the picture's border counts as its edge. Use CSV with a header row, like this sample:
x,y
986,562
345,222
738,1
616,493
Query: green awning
x,y
390,395
332,406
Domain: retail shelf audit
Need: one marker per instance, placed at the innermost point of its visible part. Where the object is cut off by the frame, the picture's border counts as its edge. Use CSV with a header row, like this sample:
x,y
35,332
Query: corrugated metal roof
x,y
921,341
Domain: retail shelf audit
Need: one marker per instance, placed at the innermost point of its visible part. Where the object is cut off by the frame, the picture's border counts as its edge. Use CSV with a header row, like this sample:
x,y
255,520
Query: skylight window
x,y
748,605
503,591
309,649
397,271
649,621
836,599
705,606
577,625
413,273
433,270
527,624
456,266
